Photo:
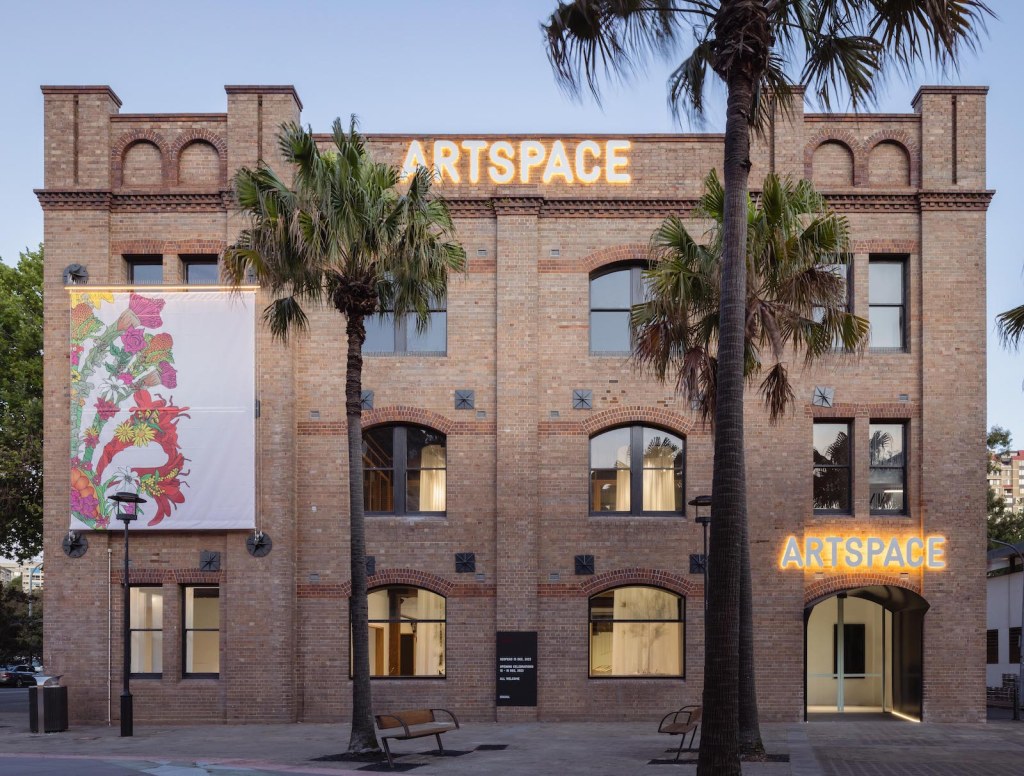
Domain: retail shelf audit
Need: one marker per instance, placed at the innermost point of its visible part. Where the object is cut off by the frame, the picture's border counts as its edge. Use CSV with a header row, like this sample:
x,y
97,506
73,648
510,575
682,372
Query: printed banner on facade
x,y
162,403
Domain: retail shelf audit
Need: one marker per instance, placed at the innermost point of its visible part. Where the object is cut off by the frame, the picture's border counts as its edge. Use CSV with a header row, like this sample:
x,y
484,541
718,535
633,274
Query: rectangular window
x,y
887,447
832,487
845,274
200,270
202,631
146,627
385,334
1014,645
145,270
887,303
992,647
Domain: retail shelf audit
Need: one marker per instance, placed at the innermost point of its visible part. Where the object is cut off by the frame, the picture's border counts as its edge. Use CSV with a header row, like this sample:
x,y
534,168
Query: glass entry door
x,y
849,656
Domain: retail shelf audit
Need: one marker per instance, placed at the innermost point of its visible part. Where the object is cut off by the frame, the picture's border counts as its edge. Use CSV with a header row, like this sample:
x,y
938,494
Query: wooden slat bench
x,y
679,723
413,723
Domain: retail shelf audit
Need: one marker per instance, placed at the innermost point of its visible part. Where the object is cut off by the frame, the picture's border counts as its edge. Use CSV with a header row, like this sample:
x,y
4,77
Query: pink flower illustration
x,y
126,378
133,340
106,408
168,375
76,352
147,310
91,438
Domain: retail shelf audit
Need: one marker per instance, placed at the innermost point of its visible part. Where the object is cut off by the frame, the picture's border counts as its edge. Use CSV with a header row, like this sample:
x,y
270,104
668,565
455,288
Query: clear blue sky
x,y
406,66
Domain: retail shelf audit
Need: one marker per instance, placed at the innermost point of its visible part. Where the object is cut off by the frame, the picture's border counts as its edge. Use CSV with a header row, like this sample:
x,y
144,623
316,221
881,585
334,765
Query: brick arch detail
x,y
612,255
423,579
823,588
666,580
901,138
126,141
847,139
657,416
398,414
198,135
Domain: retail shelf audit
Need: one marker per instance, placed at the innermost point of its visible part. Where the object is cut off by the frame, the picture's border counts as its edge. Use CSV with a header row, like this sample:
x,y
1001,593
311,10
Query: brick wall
x,y
518,335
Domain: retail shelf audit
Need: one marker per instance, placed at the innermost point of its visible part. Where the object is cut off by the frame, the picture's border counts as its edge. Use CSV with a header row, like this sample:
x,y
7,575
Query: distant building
x,y
1007,478
31,573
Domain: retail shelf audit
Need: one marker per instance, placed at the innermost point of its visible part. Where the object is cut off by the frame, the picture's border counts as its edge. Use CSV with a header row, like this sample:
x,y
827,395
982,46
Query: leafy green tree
x,y
21,406
756,48
344,235
21,625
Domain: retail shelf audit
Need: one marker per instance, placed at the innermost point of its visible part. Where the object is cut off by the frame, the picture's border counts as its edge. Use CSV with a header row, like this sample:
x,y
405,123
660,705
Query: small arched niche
x,y
143,165
832,164
198,163
889,165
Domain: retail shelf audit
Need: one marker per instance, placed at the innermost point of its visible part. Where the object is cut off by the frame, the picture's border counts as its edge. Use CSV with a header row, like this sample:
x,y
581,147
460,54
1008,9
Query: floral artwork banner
x,y
163,405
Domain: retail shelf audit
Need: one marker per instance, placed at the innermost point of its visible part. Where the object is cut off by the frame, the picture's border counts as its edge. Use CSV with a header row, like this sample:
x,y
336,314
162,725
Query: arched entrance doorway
x,y
863,651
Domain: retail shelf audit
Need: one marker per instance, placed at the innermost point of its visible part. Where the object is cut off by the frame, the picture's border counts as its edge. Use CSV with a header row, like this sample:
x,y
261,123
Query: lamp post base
x,y
126,714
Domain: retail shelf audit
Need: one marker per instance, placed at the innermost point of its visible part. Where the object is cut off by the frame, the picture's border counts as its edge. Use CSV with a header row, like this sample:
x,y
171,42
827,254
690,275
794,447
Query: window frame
x,y
132,631
135,260
1014,645
400,471
399,620
636,269
681,608
905,426
185,630
903,260
818,311
405,327
199,259
636,473
992,647
849,511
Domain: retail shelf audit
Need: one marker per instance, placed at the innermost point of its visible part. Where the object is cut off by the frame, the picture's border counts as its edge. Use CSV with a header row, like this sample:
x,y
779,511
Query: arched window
x,y
637,631
612,296
637,470
407,632
404,470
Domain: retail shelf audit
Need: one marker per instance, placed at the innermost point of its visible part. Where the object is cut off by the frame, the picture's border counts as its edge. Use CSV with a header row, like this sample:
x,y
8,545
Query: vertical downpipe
x,y
110,621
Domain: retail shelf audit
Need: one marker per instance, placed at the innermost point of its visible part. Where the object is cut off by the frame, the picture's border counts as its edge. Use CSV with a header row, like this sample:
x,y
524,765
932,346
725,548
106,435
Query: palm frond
x,y
590,39
1010,326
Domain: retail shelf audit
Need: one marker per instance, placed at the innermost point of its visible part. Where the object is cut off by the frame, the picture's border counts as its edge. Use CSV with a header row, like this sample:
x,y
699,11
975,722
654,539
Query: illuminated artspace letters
x,y
844,553
524,161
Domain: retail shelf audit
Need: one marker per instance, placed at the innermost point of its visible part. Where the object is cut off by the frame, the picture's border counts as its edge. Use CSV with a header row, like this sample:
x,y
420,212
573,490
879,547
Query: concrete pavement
x,y
839,748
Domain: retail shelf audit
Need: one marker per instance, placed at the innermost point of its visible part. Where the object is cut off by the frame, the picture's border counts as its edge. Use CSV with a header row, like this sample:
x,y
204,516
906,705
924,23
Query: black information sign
x,y
517,668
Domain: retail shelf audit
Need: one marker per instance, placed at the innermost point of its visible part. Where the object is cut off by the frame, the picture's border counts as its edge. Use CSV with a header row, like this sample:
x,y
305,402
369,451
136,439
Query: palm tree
x,y
837,45
344,235
796,298
797,251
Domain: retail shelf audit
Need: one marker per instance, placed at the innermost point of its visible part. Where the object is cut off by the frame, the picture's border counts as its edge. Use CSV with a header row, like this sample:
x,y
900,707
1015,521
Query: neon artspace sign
x,y
864,553
524,161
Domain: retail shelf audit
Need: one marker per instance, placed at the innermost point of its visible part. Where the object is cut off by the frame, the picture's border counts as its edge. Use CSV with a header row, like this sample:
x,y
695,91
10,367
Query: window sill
x,y
887,351
200,677
645,516
602,678
438,517
144,677
407,354
818,513
405,678
900,515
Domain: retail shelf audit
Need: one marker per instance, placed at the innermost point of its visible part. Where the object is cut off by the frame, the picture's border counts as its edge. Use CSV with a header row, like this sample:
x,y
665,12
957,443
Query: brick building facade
x,y
518,335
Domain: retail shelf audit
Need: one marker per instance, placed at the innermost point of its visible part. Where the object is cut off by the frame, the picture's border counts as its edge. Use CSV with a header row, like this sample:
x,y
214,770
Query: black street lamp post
x,y
697,502
127,504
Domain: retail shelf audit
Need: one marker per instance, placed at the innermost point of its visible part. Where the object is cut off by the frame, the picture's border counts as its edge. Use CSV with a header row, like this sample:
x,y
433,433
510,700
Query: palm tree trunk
x,y
750,727
363,737
719,745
